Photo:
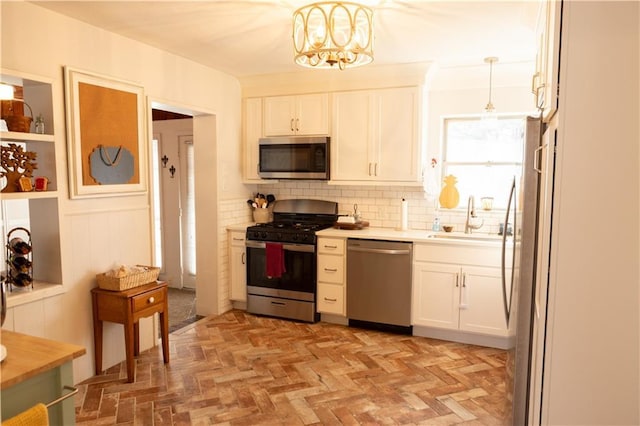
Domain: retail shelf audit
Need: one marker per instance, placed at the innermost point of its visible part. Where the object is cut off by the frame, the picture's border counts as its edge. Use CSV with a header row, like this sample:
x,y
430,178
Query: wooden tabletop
x,y
28,356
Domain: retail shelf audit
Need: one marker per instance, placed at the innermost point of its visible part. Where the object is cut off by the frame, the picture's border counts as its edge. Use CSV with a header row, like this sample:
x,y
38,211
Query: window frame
x,y
446,164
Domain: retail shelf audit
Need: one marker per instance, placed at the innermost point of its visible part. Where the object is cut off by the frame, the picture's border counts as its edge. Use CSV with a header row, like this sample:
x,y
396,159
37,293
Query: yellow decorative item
x,y
449,196
34,416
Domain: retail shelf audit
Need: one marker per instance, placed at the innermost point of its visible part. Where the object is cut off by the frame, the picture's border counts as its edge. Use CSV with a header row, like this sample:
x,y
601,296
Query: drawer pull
x,y
151,299
326,299
330,247
330,270
238,239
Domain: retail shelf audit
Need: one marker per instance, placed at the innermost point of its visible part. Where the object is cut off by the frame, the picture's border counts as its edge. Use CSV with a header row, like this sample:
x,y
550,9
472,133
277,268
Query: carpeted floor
x,y
182,308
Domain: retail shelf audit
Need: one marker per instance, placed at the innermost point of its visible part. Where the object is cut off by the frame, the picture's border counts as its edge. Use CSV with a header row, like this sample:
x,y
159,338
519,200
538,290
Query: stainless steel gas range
x,y
281,259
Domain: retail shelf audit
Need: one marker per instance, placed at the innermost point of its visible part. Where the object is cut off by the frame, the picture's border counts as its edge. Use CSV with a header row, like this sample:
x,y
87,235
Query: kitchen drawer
x,y
458,254
237,238
331,299
331,246
147,299
331,269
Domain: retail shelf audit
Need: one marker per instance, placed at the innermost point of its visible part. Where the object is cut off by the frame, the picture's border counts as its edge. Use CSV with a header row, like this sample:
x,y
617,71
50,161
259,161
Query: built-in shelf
x,y
37,211
41,290
25,137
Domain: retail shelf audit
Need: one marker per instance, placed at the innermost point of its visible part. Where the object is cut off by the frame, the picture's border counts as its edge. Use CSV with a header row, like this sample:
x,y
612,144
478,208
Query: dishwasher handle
x,y
378,251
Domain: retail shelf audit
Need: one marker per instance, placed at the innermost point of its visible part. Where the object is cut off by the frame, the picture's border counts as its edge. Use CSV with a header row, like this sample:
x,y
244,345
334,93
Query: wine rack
x,y
19,259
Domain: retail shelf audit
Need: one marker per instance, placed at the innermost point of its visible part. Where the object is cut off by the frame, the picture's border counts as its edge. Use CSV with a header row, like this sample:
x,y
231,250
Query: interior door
x,y
172,187
187,210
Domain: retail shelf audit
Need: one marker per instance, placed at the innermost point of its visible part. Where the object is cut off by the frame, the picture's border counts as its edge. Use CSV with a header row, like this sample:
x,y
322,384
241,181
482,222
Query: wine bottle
x,y
19,246
20,263
22,280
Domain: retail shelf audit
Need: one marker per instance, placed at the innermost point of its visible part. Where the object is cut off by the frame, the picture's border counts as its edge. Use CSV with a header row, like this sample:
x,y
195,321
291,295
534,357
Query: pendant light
x,y
489,108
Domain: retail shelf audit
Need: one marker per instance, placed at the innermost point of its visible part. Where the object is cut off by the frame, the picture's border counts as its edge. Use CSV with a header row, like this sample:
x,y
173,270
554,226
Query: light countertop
x,y
409,235
413,235
28,356
240,227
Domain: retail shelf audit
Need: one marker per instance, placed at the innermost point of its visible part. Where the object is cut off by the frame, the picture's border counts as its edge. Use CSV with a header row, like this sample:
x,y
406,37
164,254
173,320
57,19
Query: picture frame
x,y
106,135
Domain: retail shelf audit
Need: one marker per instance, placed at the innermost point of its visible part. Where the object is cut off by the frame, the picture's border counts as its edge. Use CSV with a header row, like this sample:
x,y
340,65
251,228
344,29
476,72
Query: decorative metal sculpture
x,y
16,163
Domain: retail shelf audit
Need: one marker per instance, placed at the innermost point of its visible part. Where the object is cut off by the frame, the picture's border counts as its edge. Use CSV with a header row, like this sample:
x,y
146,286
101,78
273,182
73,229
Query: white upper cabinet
x,y
351,137
301,115
376,136
252,134
545,79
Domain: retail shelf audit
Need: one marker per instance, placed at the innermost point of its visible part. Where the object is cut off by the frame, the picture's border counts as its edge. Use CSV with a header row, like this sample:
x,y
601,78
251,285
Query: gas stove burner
x,y
295,221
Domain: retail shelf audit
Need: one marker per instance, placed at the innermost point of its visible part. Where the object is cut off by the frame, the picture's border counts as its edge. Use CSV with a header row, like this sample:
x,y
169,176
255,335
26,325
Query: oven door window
x,y
300,266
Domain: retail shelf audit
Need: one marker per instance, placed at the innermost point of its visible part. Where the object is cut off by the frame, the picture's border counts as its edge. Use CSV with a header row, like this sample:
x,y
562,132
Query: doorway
x,y
173,177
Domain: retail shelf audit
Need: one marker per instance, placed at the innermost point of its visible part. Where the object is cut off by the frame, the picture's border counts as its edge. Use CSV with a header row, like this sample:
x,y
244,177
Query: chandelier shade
x,y
333,35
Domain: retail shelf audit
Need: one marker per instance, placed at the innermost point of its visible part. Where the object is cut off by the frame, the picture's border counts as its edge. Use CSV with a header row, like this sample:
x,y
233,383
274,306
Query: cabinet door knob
x,y
152,299
291,125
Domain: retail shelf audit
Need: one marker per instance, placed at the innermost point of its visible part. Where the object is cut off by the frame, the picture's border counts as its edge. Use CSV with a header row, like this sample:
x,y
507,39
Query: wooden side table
x,y
127,307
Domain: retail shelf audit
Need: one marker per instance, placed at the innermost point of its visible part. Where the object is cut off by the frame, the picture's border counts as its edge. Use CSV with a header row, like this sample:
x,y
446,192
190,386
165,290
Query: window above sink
x,y
484,154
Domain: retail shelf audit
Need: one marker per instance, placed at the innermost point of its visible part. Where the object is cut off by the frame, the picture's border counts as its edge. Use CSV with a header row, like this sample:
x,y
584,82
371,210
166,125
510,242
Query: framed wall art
x,y
106,134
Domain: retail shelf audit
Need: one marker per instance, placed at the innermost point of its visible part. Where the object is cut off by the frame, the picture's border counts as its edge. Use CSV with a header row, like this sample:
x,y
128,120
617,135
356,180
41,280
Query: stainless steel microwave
x,y
294,158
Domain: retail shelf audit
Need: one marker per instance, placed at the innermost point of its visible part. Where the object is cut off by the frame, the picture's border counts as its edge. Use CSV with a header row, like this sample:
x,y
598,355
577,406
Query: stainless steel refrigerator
x,y
524,271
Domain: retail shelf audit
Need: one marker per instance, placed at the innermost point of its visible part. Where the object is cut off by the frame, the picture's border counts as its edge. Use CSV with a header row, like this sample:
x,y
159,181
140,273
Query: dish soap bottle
x,y
436,224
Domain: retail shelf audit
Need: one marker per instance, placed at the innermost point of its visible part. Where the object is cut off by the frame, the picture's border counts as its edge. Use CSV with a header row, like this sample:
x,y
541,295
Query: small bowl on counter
x,y
447,228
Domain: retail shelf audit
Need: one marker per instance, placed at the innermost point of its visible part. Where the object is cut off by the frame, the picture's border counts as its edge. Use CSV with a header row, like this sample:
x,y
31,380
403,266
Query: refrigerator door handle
x,y
507,303
536,159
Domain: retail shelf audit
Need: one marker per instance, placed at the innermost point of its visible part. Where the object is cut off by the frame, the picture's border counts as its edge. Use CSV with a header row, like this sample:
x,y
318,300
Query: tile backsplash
x,y
381,205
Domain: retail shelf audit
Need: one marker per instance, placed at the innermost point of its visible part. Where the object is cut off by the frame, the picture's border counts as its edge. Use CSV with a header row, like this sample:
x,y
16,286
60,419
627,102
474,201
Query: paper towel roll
x,y
404,215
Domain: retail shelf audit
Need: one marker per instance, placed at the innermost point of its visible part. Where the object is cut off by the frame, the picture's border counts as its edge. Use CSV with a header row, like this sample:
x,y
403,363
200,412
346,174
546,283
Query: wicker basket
x,y
108,282
18,123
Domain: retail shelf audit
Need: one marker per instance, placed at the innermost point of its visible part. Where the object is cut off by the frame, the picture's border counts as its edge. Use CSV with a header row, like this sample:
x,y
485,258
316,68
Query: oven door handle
x,y
306,248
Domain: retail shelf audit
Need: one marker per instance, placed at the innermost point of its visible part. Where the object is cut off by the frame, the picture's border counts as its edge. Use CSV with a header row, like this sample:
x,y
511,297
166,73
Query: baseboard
x,y
499,342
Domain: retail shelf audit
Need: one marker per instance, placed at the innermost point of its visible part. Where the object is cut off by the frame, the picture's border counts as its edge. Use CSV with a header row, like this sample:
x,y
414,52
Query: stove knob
x,y
295,237
304,237
263,235
279,236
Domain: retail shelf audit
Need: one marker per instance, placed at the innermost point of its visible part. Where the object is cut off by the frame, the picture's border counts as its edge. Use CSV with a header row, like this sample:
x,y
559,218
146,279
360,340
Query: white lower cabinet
x,y
436,295
455,294
332,286
238,266
465,298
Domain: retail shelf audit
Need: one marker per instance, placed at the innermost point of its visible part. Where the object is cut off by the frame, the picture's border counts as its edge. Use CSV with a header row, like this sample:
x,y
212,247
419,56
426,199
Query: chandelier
x,y
333,34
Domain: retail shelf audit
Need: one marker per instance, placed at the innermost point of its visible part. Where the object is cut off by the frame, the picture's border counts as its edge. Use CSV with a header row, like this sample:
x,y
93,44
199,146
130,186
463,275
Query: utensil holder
x,y
261,215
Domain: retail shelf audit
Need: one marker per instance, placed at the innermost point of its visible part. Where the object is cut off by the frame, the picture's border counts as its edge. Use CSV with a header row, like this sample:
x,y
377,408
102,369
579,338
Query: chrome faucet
x,y
471,214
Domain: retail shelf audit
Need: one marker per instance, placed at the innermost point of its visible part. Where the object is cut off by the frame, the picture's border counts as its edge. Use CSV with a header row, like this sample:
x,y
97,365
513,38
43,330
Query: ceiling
x,y
253,37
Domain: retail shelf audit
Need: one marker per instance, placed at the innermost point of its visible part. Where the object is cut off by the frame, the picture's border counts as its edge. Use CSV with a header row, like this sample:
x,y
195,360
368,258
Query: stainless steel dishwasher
x,y
379,284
